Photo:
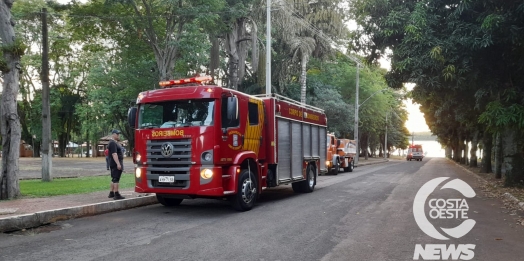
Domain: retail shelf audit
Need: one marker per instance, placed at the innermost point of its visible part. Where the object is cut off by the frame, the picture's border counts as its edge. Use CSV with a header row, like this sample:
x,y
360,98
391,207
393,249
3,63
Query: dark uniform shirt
x,y
114,147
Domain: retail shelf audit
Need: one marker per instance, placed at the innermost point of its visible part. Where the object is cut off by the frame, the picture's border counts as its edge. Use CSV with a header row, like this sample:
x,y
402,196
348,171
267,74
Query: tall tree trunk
x,y
303,77
473,152
62,144
456,149
367,146
461,150
466,149
261,73
10,128
87,147
485,165
232,38
255,54
242,46
498,156
214,56
47,143
448,152
513,157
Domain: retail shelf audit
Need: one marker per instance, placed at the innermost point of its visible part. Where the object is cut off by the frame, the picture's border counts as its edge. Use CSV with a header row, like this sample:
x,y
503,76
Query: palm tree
x,y
307,31
302,46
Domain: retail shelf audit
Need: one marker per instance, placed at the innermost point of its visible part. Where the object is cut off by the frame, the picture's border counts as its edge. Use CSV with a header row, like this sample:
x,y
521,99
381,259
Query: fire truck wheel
x,y
247,193
169,202
309,185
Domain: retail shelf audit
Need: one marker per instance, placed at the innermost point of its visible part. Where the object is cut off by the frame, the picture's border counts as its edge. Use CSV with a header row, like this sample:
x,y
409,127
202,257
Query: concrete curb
x,y
506,195
371,163
50,216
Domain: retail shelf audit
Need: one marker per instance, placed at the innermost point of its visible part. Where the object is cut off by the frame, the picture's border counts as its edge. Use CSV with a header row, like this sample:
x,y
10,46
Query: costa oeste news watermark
x,y
440,208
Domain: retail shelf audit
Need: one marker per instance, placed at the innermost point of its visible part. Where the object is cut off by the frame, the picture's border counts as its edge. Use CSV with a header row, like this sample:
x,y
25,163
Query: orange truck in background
x,y
340,154
347,149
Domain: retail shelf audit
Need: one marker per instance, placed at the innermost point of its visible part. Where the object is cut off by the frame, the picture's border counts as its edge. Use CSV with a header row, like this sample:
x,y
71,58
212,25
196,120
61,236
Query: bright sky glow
x,y
416,121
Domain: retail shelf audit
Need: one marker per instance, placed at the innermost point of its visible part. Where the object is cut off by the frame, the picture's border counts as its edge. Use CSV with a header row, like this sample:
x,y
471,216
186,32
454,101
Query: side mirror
x,y
232,108
131,117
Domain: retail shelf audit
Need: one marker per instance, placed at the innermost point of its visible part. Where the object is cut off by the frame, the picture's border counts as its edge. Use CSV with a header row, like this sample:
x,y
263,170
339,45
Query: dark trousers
x,y
107,162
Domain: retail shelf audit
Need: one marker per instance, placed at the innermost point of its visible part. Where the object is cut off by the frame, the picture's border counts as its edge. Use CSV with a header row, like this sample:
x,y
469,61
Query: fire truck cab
x,y
194,140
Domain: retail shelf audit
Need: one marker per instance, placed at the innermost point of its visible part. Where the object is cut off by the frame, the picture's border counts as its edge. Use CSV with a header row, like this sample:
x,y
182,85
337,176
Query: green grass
x,y
66,186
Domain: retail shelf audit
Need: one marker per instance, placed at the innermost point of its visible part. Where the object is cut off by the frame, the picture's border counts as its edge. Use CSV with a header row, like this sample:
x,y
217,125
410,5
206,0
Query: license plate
x,y
166,179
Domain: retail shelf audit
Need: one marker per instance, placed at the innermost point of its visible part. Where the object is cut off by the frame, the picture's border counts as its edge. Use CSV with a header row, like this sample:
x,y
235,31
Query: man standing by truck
x,y
116,164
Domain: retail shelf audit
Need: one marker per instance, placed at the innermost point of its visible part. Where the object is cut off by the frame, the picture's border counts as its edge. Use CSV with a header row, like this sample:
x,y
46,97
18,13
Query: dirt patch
x,y
494,188
497,185
31,168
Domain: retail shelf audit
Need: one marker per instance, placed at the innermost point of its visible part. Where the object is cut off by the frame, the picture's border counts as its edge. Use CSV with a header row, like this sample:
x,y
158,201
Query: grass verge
x,y
37,188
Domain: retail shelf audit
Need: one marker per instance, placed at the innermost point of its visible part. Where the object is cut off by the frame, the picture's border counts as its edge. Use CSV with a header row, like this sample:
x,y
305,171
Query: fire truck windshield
x,y
171,114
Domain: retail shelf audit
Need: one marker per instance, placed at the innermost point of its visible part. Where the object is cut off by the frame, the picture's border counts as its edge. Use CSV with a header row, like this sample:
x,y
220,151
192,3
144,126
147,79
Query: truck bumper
x,y
193,186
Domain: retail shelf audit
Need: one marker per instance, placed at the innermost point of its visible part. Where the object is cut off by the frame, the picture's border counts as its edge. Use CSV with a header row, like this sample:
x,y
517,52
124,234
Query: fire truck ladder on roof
x,y
283,98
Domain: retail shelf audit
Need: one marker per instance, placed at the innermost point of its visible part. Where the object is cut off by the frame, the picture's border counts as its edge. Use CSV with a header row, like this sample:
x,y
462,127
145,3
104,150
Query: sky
x,y
416,121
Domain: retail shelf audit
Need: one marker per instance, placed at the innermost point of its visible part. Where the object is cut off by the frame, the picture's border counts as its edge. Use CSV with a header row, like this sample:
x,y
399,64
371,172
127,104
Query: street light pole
x,y
268,48
386,137
356,118
357,106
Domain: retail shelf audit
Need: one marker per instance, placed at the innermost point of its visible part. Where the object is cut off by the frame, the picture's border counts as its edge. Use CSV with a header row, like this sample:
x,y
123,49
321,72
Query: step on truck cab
x,y
197,140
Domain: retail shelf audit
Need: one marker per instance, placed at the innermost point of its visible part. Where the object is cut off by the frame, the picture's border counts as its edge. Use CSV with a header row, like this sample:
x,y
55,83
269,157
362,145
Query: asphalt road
x,y
364,215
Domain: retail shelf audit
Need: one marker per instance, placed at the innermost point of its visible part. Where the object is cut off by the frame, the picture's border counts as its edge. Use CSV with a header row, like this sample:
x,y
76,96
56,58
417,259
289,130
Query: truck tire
x,y
350,168
169,202
247,192
308,185
336,168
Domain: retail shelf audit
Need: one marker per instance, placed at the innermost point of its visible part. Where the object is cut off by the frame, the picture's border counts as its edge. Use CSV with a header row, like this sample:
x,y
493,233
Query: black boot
x,y
118,196
111,194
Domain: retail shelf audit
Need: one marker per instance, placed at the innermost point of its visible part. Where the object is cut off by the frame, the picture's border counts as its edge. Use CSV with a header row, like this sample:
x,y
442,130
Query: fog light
x,y
138,173
328,163
207,156
206,173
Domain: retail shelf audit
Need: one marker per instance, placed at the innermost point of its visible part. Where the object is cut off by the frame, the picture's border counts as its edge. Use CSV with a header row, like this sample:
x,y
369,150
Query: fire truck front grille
x,y
176,165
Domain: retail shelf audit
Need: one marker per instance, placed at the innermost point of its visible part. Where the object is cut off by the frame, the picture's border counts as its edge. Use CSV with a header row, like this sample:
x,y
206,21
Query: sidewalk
x,y
363,162
32,212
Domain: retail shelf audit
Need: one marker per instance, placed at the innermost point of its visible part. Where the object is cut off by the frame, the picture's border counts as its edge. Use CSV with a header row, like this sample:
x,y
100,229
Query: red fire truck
x,y
203,141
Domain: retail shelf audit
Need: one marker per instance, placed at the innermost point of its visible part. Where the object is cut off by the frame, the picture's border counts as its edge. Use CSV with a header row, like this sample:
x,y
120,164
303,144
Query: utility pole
x,y
386,137
412,137
47,163
356,117
268,48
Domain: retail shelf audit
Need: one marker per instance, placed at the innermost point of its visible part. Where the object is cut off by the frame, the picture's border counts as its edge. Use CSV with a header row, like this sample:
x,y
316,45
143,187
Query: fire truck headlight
x,y
138,158
138,173
206,173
